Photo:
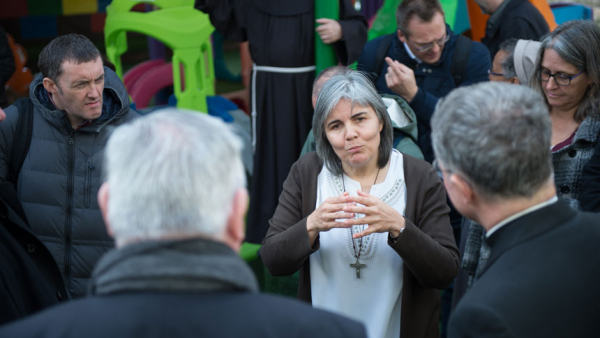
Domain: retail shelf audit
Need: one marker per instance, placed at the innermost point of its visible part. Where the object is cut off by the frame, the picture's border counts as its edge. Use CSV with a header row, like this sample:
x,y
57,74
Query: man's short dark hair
x,y
423,9
508,64
72,47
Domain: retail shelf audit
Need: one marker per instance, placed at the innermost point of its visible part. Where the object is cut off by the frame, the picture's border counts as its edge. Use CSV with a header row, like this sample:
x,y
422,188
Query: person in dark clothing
x,y
7,66
175,272
30,280
419,60
281,37
515,61
511,19
541,278
74,102
589,199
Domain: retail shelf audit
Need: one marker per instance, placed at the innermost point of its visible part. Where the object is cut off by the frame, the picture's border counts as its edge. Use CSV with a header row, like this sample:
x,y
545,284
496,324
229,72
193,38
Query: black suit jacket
x,y
185,314
542,279
589,200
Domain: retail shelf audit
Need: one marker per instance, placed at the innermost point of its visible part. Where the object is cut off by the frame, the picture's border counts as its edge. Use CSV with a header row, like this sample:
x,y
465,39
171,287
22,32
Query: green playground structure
x,y
187,32
180,27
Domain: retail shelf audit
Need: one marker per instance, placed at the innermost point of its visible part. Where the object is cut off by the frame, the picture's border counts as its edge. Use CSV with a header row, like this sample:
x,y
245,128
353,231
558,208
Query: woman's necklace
x,y
565,136
357,264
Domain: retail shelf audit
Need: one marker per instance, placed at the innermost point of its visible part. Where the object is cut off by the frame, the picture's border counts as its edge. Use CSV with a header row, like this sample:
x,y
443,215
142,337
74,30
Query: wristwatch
x,y
394,239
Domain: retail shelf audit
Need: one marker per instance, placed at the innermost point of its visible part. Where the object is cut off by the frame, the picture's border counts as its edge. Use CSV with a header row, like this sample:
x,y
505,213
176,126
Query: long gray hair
x,y
356,88
578,43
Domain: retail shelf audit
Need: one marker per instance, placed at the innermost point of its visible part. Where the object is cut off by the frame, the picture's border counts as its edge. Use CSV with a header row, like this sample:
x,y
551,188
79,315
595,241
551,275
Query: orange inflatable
x,y
478,20
20,80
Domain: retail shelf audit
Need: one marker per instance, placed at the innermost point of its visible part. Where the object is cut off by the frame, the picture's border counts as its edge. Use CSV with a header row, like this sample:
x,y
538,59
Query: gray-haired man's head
x,y
496,136
173,174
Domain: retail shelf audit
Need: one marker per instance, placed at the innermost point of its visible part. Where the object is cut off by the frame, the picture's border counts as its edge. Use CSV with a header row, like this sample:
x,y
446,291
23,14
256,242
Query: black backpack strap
x,y
22,138
460,58
384,45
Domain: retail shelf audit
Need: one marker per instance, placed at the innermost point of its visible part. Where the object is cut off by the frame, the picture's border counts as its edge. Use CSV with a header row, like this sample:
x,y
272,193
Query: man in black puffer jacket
x,y
75,100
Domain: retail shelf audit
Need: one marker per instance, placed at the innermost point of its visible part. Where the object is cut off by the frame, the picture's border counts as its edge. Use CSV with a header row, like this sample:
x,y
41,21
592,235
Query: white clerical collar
x,y
412,56
495,228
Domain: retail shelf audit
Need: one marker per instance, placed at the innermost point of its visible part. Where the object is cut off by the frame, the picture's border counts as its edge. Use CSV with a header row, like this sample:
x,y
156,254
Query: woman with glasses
x,y
366,225
568,75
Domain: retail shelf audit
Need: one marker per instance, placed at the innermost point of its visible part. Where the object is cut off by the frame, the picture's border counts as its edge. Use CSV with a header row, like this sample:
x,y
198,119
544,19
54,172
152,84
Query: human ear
x,y
466,192
235,228
401,36
103,197
50,85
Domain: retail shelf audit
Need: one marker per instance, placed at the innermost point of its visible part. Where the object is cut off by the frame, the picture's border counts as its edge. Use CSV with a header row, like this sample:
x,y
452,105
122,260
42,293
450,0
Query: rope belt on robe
x,y
269,69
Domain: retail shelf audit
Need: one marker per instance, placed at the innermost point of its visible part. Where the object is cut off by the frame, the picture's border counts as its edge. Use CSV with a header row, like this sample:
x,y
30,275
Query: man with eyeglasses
x,y
514,61
423,61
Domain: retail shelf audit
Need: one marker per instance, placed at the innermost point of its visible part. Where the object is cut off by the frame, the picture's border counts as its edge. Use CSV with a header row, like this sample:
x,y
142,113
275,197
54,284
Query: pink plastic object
x,y
150,83
131,78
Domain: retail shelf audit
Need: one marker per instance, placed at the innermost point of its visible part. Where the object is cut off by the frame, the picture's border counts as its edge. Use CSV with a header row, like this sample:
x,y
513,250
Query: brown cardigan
x,y
426,245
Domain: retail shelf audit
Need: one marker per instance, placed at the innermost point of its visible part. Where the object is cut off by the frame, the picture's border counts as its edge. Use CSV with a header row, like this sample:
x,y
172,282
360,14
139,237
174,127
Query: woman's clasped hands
x,y
340,212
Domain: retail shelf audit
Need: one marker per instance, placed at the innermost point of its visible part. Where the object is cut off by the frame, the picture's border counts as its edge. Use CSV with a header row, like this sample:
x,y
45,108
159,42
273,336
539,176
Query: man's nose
x,y
94,91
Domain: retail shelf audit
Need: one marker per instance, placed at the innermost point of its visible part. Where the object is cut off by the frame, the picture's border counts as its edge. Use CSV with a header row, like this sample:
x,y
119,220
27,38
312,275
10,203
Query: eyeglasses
x,y
495,74
439,170
424,47
561,79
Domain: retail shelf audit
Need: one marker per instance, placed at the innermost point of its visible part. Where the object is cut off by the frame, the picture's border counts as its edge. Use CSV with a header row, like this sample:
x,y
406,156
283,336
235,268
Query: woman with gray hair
x,y
366,225
568,74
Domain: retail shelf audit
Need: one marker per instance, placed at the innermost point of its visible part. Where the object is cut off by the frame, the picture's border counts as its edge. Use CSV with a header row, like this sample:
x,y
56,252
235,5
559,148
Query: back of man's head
x,y
497,136
72,47
508,63
422,9
172,174
323,76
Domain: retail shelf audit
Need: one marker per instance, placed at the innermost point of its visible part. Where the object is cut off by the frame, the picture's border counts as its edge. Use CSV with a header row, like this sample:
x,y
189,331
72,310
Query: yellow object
x,y
71,7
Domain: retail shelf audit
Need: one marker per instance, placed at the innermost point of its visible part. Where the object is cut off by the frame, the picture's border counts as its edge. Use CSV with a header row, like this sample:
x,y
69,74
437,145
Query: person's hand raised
x,y
329,30
401,80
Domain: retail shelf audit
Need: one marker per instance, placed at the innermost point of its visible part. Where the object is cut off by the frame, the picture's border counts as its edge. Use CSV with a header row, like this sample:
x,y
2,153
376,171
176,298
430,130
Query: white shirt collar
x,y
410,53
495,228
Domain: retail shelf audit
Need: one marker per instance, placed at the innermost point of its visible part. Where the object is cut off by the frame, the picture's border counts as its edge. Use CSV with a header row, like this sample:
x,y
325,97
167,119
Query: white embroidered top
x,y
375,298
